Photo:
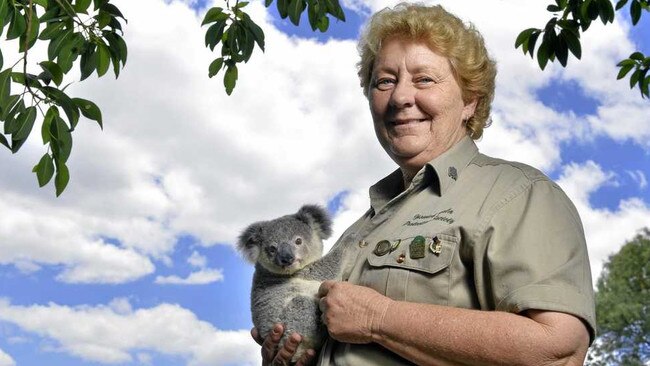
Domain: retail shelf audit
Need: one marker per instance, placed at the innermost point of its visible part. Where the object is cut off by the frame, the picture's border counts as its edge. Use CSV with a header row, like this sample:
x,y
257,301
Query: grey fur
x,y
289,267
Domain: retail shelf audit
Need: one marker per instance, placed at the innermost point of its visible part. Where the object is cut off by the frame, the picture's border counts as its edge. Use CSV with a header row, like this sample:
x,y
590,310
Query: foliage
x,y
238,34
561,35
93,40
623,306
72,33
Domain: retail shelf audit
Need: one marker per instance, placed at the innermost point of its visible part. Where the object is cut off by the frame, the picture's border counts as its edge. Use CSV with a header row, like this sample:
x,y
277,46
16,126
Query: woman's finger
x,y
284,355
270,345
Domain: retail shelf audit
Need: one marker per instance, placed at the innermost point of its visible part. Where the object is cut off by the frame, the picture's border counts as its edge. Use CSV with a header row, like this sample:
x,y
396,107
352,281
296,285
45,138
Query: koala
x,y
289,268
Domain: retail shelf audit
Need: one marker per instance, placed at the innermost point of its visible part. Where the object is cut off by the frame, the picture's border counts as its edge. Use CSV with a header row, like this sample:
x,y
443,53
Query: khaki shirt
x,y
498,235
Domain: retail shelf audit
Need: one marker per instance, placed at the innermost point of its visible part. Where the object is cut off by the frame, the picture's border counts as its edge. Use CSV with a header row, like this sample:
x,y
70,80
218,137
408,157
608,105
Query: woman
x,y
462,258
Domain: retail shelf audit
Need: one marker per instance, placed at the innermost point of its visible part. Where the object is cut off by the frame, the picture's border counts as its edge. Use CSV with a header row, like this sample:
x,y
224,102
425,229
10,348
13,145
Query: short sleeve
x,y
536,255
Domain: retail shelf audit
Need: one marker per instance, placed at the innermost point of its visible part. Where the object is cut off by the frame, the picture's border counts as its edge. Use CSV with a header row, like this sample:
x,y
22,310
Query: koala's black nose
x,y
285,255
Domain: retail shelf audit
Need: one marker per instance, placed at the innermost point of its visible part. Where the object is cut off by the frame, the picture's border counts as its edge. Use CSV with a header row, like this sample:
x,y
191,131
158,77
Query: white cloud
x,y
100,334
177,156
606,230
6,360
197,260
639,177
201,277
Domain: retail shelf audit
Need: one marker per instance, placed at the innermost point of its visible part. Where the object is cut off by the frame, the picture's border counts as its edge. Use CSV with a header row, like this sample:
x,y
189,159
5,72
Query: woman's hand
x,y
352,313
270,353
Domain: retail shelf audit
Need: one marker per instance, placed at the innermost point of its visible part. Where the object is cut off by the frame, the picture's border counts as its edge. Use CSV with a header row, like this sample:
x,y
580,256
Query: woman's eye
x,y
383,84
298,241
425,80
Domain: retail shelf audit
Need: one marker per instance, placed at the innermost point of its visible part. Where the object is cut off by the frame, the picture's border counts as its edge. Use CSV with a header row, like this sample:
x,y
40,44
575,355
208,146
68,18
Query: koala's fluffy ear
x,y
316,217
250,241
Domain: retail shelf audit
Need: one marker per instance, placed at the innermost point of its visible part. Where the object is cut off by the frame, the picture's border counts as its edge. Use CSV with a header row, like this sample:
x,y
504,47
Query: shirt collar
x,y
440,173
449,166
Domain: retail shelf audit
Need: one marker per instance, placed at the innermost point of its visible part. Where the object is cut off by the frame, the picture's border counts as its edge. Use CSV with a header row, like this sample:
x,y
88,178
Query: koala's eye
x,y
298,241
272,250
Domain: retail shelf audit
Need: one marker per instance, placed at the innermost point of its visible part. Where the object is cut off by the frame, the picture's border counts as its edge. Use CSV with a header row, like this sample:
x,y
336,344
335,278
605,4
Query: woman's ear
x,y
469,109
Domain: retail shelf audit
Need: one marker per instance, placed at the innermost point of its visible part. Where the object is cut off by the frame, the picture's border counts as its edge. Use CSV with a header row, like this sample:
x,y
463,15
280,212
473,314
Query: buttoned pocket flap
x,y
434,260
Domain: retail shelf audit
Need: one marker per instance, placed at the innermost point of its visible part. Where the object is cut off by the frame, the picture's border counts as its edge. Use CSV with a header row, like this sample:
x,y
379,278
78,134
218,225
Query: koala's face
x,y
284,245
288,243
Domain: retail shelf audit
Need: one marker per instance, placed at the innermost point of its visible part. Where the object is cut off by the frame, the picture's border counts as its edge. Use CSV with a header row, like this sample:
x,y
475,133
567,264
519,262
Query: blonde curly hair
x,y
445,34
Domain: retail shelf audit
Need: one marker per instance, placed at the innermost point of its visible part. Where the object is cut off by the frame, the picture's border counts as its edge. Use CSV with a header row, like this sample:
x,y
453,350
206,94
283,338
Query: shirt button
x,y
401,258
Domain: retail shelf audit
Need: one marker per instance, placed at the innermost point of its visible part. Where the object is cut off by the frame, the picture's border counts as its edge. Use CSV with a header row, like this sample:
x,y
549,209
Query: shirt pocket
x,y
422,280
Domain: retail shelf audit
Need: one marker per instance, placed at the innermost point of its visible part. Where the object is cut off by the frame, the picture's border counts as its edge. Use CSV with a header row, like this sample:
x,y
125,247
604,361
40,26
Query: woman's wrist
x,y
377,324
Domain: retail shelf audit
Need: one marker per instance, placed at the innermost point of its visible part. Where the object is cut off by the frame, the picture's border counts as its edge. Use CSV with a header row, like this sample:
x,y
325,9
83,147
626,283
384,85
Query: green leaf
x,y
626,62
9,105
44,170
52,112
99,3
283,8
635,11
214,15
240,4
620,4
103,59
214,33
17,108
62,139
25,124
543,55
645,87
67,7
572,42
258,33
17,26
89,110
52,30
70,50
635,78
268,3
295,10
54,48
81,6
88,62
562,50
4,10
523,36
637,56
62,177
334,8
69,107
625,69
30,34
246,42
531,43
113,10
5,85
312,14
323,24
230,78
605,11
117,45
103,19
553,8
215,67
54,71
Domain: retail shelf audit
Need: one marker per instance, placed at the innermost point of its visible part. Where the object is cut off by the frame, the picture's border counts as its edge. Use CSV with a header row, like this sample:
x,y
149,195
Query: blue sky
x,y
160,195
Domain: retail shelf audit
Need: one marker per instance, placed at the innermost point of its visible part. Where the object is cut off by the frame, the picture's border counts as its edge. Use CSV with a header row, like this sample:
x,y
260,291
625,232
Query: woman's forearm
x,y
438,335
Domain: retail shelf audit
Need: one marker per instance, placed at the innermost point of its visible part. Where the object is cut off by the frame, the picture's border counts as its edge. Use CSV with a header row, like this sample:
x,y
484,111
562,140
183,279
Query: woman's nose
x,y
403,95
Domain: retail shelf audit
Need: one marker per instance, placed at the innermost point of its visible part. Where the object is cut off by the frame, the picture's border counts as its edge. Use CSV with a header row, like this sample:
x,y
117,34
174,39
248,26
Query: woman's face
x,y
416,103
